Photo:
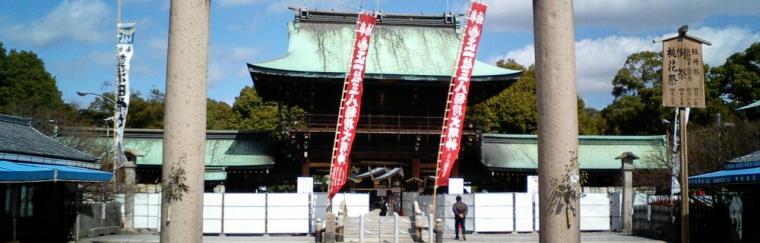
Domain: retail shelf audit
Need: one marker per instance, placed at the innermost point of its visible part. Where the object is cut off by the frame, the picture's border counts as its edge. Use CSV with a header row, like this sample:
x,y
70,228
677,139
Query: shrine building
x,y
409,66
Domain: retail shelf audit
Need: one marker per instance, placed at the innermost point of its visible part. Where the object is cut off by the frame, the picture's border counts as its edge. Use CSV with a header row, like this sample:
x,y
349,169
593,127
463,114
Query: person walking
x,y
460,213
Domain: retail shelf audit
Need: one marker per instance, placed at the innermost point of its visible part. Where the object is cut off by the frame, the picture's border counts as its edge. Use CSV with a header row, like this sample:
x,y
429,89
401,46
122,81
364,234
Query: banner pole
x,y
684,178
349,109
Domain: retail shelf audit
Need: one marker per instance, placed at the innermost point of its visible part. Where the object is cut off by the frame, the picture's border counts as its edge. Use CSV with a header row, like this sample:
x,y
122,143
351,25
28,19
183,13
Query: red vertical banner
x,y
456,104
350,104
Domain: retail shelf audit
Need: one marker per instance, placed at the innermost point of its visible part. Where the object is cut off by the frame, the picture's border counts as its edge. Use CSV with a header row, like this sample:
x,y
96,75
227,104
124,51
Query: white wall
x,y
244,213
147,211
507,212
494,212
251,213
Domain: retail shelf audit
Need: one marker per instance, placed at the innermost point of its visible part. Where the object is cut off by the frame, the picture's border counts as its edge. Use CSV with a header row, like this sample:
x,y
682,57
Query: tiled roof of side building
x,y
749,158
224,148
520,152
17,136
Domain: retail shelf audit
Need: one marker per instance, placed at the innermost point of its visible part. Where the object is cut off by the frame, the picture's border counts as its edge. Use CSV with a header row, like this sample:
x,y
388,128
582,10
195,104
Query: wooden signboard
x,y
683,74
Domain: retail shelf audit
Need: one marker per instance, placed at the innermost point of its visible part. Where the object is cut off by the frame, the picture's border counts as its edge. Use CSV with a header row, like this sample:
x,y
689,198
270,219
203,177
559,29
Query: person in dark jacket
x,y
460,213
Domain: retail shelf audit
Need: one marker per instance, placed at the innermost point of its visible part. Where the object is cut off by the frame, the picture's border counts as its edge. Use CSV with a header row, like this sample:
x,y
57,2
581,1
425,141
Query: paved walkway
x,y
599,237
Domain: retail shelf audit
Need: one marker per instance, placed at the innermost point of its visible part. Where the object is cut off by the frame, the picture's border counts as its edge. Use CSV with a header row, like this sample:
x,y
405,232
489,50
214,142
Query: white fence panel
x,y
356,203
616,221
523,212
244,213
147,211
444,207
595,212
212,213
287,213
493,212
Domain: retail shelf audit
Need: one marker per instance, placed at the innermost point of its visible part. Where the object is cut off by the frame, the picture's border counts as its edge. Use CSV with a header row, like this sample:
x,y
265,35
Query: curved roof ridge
x,y
322,50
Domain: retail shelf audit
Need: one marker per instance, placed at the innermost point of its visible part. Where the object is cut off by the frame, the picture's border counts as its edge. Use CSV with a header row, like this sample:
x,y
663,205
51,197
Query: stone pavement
x,y
596,237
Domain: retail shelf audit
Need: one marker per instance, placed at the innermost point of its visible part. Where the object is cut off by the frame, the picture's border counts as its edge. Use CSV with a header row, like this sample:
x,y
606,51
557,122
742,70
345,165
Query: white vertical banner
x,y
675,185
125,36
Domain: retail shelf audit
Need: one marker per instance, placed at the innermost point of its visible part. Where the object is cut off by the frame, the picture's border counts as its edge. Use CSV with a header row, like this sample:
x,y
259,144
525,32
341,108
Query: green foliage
x,y
738,79
219,115
146,113
26,88
255,114
637,88
514,109
590,120
641,72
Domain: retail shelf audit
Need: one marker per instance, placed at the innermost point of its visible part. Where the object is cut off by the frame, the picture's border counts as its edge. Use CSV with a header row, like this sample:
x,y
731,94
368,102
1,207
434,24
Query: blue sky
x,y
75,38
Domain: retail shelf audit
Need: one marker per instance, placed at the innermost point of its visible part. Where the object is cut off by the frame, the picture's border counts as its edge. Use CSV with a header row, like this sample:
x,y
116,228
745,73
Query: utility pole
x,y
558,121
185,122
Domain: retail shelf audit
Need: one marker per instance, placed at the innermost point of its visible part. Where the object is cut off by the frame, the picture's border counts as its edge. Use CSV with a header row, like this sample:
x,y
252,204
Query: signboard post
x,y
683,86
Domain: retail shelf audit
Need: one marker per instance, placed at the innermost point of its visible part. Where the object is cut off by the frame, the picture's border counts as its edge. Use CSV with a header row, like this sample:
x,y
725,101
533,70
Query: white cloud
x,y
236,3
624,14
725,42
157,46
78,20
136,1
241,54
338,5
102,58
597,60
227,64
82,64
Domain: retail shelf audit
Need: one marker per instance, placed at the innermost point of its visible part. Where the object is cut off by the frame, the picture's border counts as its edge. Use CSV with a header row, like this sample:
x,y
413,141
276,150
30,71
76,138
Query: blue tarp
x,y
30,172
723,177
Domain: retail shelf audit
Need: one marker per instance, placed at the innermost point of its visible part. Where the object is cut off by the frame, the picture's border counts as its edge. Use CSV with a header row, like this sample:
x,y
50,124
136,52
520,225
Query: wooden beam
x,y
319,165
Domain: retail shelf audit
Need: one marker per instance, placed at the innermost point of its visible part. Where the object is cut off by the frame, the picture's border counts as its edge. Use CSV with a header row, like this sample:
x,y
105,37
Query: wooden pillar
x,y
684,178
455,170
416,168
305,167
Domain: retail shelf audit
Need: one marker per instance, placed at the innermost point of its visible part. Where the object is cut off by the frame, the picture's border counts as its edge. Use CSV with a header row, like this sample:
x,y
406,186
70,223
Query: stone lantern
x,y
626,172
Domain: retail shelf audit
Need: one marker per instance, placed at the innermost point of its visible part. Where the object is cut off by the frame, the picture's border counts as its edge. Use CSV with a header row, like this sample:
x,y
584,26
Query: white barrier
x,y
212,213
507,212
595,212
250,213
287,213
493,212
523,212
356,203
244,213
147,211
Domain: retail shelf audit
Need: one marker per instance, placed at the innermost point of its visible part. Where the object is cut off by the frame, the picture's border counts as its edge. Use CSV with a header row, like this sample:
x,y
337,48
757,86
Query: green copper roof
x,y
507,151
750,106
226,151
404,52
